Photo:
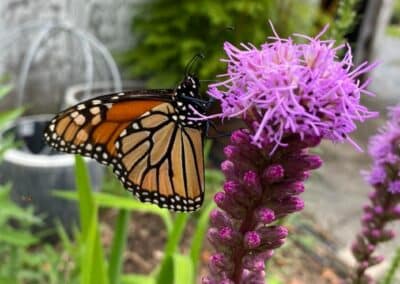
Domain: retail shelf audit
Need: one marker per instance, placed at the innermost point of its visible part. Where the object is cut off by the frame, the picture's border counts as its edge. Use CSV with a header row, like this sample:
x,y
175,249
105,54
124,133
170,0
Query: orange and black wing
x,y
139,134
162,162
91,128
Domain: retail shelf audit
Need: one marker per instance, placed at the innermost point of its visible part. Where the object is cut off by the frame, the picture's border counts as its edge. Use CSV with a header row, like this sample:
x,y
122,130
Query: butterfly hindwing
x,y
161,162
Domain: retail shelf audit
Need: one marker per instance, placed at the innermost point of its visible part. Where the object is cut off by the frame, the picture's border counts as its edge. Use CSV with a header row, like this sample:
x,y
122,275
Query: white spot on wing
x,y
80,107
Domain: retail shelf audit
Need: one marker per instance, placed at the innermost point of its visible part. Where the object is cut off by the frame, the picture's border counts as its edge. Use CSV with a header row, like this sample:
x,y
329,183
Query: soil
x,y
308,256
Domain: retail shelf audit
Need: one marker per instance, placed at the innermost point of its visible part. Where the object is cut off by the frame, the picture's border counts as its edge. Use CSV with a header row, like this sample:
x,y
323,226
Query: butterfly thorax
x,y
188,104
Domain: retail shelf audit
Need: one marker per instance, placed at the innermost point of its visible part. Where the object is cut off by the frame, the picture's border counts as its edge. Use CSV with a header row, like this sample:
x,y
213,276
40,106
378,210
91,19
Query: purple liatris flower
x,y
384,201
290,96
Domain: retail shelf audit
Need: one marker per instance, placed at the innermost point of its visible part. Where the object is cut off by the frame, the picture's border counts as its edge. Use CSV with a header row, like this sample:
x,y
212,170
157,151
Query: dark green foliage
x,y
346,19
169,33
23,259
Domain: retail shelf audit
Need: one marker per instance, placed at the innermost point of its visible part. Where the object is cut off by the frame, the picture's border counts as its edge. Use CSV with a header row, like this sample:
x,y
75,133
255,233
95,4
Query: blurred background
x,y
56,53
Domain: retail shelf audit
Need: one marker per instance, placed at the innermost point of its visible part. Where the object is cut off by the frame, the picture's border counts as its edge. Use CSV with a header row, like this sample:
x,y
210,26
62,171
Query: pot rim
x,y
18,157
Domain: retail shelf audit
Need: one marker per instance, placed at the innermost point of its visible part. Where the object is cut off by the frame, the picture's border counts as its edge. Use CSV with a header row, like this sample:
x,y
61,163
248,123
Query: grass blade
x,y
394,266
86,203
137,279
118,246
106,200
93,266
176,234
198,236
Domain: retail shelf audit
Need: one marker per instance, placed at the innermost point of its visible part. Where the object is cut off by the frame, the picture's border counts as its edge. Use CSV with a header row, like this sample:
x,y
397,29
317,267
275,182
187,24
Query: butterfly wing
x,y
92,127
162,162
138,133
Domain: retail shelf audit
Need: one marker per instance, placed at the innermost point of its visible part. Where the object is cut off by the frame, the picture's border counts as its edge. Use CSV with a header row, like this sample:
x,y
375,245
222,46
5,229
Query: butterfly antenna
x,y
192,62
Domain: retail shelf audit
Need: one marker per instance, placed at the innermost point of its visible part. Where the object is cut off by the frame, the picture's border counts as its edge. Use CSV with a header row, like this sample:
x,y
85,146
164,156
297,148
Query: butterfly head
x,y
189,87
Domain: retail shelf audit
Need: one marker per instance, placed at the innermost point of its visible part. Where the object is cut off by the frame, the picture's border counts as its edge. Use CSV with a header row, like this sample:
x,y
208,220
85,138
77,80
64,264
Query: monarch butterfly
x,y
149,138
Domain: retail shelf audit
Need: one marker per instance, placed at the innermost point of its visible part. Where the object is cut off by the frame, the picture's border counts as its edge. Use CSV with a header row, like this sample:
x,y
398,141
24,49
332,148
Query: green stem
x,y
176,233
395,264
118,246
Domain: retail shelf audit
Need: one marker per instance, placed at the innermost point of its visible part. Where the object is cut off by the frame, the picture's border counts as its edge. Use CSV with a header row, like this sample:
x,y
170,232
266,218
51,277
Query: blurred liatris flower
x,y
290,96
384,201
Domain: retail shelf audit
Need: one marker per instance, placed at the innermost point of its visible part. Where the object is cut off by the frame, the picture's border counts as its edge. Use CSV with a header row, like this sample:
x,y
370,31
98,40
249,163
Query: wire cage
x,y
33,168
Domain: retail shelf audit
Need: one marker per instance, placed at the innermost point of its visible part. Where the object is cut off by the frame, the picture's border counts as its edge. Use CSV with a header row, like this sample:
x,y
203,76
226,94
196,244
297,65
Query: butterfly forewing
x,y
92,127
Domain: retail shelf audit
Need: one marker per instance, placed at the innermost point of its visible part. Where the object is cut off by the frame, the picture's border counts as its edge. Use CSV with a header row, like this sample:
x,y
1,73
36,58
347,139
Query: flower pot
x,y
35,170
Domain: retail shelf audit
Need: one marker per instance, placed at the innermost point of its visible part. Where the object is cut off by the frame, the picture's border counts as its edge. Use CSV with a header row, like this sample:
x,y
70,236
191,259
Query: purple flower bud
x,y
230,151
265,215
370,248
299,176
226,203
367,208
240,137
394,187
253,263
378,210
372,195
282,190
375,234
314,162
375,260
220,219
228,168
289,205
253,277
368,217
272,236
217,260
364,265
208,280
250,179
393,213
252,240
252,184
225,236
234,190
376,176
273,173
386,235
220,263
312,141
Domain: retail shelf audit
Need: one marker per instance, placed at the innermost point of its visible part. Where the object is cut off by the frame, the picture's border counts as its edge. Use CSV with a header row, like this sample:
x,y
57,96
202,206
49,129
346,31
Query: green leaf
x,y
183,269
199,234
171,247
273,280
118,246
177,269
8,280
166,273
112,201
175,235
5,90
8,116
394,266
5,192
93,267
17,238
137,279
86,203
